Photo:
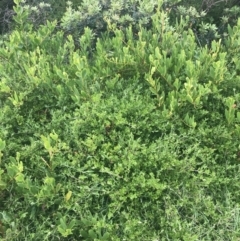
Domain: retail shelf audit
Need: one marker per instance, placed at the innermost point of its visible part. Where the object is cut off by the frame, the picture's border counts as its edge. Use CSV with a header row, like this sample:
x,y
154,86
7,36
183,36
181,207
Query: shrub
x,y
137,140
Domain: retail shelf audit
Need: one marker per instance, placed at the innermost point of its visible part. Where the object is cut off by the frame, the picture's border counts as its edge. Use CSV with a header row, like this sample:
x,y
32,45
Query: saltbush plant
x,y
137,139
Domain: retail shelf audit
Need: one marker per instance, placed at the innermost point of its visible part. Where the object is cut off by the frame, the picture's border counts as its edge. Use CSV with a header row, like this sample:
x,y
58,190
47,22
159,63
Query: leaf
x,y
189,98
54,136
92,234
63,223
2,185
106,236
46,142
68,196
64,232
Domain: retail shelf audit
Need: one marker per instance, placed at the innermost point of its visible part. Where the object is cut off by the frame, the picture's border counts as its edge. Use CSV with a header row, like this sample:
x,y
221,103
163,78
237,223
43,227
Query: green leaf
x,y
46,142
92,234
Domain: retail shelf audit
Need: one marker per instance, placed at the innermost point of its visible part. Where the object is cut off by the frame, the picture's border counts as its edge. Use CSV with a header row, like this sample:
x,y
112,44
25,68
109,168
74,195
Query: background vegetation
x,y
121,124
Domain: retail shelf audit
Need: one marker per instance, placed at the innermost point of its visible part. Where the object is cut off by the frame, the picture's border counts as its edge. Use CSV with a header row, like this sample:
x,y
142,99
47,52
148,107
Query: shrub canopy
x,y
134,137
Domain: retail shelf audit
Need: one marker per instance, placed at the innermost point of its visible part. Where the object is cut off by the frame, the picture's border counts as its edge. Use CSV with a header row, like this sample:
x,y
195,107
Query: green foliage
x,y
207,19
135,140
